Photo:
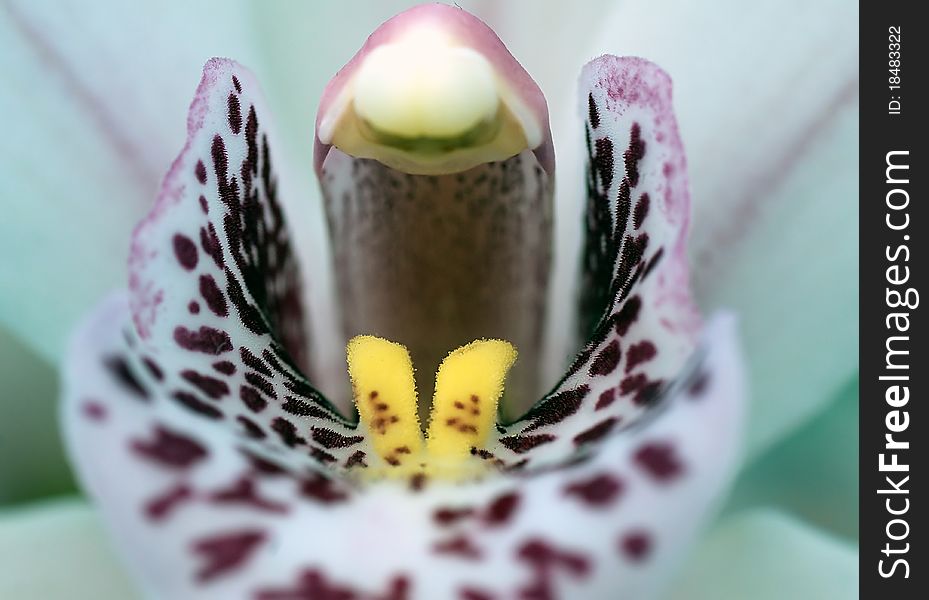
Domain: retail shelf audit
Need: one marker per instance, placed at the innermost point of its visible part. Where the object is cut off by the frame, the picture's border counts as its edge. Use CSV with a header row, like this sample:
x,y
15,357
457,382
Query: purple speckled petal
x,y
635,306
199,514
214,287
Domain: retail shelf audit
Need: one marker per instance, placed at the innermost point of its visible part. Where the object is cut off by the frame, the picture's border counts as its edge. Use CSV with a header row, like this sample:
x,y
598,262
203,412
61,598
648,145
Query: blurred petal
x,y
772,141
57,551
198,513
794,285
564,26
32,460
95,95
812,472
766,555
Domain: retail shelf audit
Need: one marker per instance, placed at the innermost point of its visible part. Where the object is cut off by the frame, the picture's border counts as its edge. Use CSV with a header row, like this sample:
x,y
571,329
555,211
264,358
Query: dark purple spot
x,y
603,161
153,368
236,84
302,408
200,172
185,251
636,545
641,210
210,244
213,296
94,411
634,154
698,385
196,405
193,307
225,552
314,585
357,459
469,593
244,492
206,339
262,466
597,432
545,559
204,206
212,387
161,506
654,261
606,399
459,546
482,453
122,373
449,516
287,432
501,509
632,383
557,408
659,461
321,489
254,362
225,367
631,256
592,112
417,482
252,399
647,393
235,114
328,438
640,353
598,490
322,456
251,428
170,449
261,383
524,443
249,314
606,361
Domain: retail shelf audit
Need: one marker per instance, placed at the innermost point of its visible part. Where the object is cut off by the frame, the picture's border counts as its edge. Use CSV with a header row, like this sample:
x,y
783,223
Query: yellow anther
x,y
468,386
385,393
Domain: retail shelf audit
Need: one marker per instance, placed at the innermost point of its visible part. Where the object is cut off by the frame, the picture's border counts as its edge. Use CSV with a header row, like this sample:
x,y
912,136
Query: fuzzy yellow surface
x,y
469,384
385,393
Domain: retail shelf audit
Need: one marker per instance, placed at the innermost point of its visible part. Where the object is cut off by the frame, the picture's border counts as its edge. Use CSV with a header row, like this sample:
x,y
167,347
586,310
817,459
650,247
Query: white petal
x,y
766,555
32,461
772,141
94,96
58,551
812,472
197,515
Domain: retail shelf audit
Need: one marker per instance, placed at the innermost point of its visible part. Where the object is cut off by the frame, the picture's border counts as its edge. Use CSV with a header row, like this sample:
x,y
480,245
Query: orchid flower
x,y
208,423
222,471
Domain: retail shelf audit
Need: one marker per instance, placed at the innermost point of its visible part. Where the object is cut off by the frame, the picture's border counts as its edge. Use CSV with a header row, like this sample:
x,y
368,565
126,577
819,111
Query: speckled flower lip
x,y
222,471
